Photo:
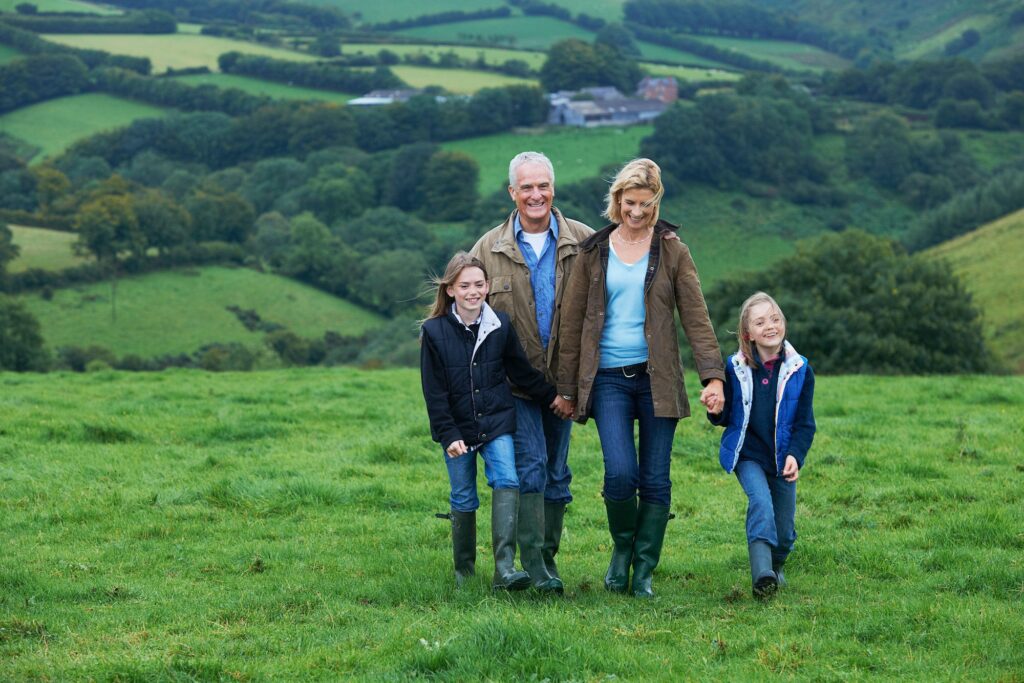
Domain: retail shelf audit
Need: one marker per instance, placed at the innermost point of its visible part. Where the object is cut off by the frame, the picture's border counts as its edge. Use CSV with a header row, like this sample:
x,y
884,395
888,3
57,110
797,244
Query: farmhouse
x,y
379,97
606,106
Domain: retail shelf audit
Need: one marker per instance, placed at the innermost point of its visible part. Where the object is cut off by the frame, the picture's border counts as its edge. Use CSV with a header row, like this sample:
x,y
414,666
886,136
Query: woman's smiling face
x,y
636,208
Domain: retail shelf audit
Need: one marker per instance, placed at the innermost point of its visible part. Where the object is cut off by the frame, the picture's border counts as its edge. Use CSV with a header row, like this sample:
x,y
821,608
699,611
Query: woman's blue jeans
x,y
771,508
618,402
499,467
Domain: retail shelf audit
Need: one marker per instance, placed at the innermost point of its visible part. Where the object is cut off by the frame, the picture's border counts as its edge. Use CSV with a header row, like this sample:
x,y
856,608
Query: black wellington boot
x,y
531,540
622,525
504,510
554,516
764,579
650,536
463,545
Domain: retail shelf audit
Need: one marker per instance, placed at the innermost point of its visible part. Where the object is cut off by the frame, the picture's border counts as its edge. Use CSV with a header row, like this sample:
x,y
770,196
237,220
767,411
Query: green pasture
x,y
491,55
55,124
60,6
8,54
256,86
609,10
661,53
529,32
176,50
993,148
44,249
375,12
459,81
179,311
988,262
786,54
934,44
691,73
190,526
576,153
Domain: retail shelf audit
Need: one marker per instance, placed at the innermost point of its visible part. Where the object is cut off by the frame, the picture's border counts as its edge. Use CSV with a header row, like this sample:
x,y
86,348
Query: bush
x,y
21,342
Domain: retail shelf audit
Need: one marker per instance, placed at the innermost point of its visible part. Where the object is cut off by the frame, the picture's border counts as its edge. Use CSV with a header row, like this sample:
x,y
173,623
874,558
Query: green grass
x,y
8,54
691,73
55,124
535,33
256,86
42,248
60,6
174,51
988,261
375,12
934,45
575,153
459,81
993,148
184,526
491,55
179,311
786,54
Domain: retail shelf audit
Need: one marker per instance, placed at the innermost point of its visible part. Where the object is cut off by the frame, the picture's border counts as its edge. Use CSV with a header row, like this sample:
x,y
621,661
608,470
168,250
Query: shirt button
x,y
476,391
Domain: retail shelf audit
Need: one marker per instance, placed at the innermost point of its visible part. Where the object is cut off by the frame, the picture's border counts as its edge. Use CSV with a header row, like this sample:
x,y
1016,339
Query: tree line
x,y
31,44
269,13
146,21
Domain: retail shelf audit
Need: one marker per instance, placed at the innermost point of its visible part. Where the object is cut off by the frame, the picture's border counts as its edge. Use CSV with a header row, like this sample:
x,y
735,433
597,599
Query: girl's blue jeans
x,y
771,508
499,467
618,402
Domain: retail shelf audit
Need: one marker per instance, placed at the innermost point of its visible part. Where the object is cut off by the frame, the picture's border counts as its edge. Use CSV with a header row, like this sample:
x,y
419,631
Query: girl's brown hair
x,y
743,332
638,174
443,302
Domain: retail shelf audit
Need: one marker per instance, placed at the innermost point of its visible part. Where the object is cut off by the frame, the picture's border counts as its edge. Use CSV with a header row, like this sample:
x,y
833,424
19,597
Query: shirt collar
x,y
517,227
455,312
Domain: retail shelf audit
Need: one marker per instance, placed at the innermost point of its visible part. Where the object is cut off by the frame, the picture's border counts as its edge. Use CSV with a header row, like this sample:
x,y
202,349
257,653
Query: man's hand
x,y
713,396
456,448
563,408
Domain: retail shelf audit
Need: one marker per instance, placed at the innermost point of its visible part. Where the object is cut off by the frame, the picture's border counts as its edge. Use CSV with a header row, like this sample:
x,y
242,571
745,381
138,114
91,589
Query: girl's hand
x,y
790,470
713,396
457,448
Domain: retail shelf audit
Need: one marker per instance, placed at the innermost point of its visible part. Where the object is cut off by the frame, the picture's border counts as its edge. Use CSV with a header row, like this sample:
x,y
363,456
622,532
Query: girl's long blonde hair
x,y
743,332
443,301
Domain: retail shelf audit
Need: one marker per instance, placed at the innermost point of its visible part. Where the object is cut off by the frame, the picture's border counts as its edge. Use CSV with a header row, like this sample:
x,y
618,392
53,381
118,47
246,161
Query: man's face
x,y
533,193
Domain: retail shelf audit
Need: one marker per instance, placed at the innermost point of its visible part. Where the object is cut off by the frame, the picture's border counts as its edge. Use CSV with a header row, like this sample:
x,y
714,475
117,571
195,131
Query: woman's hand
x,y
790,470
456,448
713,396
563,408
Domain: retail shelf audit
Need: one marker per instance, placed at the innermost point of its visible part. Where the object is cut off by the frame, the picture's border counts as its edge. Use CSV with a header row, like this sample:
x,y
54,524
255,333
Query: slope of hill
x,y
42,248
988,261
180,311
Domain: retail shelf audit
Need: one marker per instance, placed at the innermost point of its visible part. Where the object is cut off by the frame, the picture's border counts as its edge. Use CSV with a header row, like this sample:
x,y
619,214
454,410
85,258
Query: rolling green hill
x,y
179,311
988,261
60,6
42,248
256,86
55,124
459,81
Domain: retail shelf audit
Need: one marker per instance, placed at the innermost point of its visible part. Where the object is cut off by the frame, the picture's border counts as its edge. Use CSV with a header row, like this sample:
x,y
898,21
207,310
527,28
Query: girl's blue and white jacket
x,y
794,415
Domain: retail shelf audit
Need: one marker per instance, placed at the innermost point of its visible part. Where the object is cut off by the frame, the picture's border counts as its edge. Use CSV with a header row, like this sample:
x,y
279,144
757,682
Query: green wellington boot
x,y
504,510
764,580
531,540
554,516
650,536
622,525
463,544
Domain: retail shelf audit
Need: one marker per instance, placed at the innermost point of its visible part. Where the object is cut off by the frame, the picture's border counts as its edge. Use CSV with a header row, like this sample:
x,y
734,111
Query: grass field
x,y
42,248
179,311
174,51
375,12
992,148
535,33
491,55
786,54
691,73
256,86
55,124
60,6
459,81
575,153
933,45
184,526
988,261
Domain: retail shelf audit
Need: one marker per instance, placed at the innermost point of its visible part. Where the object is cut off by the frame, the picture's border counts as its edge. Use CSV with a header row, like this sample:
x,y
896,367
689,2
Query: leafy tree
x,y
619,38
8,249
881,150
326,45
21,342
163,222
857,303
450,191
222,217
392,281
51,184
573,64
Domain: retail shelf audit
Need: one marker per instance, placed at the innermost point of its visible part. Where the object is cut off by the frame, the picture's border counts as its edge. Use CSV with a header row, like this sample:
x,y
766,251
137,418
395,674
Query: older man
x,y
528,259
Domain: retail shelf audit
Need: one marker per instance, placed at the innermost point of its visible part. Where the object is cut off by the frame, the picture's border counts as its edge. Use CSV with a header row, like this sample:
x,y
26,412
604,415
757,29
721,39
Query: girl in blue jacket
x,y
468,353
768,416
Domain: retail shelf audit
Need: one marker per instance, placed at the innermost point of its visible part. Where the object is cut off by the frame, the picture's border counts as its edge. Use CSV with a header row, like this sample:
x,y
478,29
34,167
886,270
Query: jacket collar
x,y
604,234
506,241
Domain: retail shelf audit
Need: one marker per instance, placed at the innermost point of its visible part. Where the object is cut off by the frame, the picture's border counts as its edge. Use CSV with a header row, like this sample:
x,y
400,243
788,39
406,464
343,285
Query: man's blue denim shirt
x,y
542,275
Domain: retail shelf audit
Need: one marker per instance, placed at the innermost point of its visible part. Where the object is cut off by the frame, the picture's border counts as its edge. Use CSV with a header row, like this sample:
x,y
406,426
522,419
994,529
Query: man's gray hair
x,y
529,158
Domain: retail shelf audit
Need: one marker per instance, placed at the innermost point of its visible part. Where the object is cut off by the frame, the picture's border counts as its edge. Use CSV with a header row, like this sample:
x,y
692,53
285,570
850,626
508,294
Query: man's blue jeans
x,y
499,468
542,451
771,507
618,401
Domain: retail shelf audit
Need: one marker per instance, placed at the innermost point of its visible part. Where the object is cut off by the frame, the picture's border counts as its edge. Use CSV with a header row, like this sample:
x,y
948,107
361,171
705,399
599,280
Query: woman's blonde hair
x,y
743,332
443,301
638,174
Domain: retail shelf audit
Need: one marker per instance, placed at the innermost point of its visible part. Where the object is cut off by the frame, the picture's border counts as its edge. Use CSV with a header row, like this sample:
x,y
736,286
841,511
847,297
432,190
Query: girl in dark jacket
x,y
768,417
468,353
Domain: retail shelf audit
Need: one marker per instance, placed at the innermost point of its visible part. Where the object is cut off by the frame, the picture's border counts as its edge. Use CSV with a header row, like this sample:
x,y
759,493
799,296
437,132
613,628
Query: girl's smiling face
x,y
766,328
469,291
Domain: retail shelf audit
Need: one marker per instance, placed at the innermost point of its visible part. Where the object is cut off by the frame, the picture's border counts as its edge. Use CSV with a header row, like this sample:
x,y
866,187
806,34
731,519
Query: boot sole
x,y
765,587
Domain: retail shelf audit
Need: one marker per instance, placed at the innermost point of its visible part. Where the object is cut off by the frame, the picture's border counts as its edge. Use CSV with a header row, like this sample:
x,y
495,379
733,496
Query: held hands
x,y
456,448
563,408
790,470
713,396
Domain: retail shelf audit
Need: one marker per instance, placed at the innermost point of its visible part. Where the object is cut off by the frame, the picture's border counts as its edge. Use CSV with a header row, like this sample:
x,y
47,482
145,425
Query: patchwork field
x,y
55,124
692,74
179,311
256,86
190,526
60,6
174,51
575,153
374,12
535,33
786,54
459,81
491,55
42,248
988,261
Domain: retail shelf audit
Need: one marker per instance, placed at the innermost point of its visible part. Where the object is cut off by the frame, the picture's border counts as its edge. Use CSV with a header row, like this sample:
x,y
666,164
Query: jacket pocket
x,y
500,295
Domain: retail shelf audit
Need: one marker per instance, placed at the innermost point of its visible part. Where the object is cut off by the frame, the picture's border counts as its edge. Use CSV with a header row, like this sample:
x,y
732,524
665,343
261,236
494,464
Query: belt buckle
x,y
636,370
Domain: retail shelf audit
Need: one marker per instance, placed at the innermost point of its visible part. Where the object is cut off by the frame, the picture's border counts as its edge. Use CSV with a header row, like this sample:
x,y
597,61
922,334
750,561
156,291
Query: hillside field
x,y
190,526
988,261
60,6
491,55
42,248
179,311
176,50
459,81
54,125
256,86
